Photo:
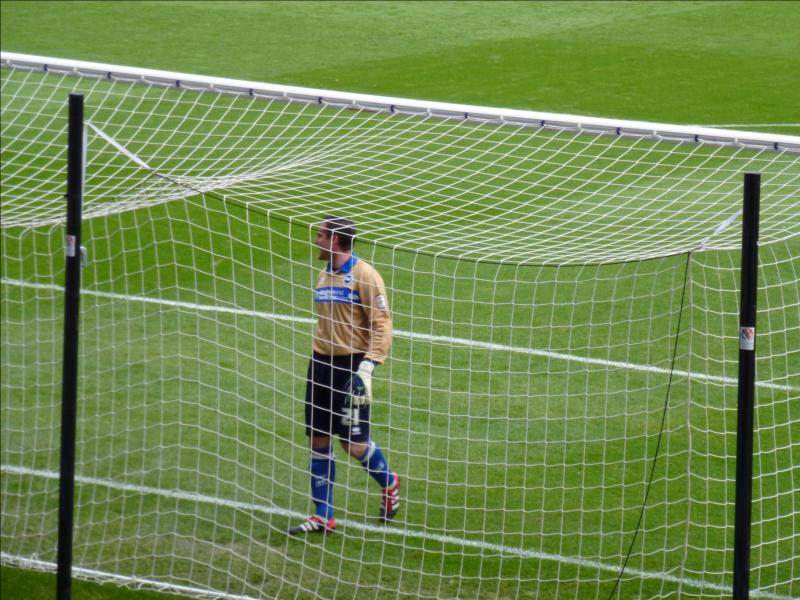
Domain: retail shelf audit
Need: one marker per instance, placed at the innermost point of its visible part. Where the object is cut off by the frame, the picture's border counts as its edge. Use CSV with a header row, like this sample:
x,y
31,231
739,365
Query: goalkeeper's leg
x,y
319,426
323,473
372,459
353,432
322,469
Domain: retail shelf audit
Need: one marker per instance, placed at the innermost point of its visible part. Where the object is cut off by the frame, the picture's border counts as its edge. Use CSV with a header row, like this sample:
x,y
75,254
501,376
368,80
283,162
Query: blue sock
x,y
375,464
323,474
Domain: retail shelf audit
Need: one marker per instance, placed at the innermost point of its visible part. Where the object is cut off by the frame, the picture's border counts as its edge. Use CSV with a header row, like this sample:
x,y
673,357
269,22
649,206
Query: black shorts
x,y
328,410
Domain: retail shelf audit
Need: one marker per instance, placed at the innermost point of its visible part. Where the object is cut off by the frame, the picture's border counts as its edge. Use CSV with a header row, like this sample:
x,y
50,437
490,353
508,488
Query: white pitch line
x,y
415,336
386,530
26,562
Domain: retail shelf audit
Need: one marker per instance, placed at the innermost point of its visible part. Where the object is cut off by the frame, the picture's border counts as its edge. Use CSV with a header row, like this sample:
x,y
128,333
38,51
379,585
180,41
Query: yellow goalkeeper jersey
x,y
352,312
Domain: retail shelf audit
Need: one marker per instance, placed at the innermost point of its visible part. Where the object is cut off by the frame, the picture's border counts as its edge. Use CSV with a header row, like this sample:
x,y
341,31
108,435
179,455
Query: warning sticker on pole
x,y
69,245
747,338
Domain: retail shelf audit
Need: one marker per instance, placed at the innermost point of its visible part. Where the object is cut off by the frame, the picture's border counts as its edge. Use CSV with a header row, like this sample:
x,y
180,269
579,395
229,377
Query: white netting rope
x,y
535,273
413,179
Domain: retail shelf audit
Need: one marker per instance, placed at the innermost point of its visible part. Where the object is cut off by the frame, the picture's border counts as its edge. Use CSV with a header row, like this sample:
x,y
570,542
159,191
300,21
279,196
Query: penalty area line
x,y
600,362
402,532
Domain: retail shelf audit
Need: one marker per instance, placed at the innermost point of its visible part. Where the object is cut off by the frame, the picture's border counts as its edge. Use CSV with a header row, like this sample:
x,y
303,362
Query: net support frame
x,y
746,389
72,285
444,110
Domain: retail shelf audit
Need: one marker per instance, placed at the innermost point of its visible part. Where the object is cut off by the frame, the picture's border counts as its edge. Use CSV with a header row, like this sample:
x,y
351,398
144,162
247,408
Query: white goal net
x,y
560,397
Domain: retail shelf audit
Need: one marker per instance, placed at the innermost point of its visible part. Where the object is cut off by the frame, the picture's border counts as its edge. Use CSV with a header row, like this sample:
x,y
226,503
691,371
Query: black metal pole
x,y
72,286
747,372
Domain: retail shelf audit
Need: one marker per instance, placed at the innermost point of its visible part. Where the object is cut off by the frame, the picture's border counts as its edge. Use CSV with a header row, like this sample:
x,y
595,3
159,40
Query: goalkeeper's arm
x,y
377,319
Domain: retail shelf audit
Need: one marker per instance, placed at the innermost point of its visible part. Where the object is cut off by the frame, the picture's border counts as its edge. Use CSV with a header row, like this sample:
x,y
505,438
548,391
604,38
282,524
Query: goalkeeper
x,y
352,336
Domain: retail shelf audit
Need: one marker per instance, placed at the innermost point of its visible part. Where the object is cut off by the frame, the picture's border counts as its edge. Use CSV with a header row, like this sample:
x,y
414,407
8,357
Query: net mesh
x,y
560,398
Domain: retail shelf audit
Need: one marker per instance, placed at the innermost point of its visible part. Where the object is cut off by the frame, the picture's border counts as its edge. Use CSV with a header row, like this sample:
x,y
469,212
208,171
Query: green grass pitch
x,y
702,63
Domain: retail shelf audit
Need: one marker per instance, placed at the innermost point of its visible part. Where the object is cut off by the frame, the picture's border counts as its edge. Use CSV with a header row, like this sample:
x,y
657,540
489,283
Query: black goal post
x,y
69,382
746,397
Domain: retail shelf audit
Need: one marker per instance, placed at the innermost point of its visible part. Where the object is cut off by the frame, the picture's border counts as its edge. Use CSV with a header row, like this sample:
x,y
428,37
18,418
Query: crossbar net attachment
x,y
560,396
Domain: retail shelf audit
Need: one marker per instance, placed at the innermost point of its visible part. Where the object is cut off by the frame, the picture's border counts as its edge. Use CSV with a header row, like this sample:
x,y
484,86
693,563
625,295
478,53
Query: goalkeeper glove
x,y
361,384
